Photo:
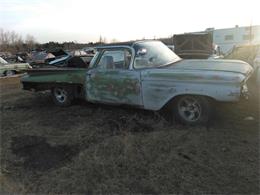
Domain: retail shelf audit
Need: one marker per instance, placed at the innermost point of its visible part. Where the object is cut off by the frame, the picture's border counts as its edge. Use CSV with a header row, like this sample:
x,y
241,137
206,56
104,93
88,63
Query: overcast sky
x,y
86,20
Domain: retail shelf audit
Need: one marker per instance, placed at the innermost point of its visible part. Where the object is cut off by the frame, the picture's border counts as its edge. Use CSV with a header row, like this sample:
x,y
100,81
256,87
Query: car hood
x,y
236,66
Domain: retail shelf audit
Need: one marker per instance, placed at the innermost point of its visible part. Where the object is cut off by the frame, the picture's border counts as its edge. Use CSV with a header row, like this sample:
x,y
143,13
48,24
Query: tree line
x,y
10,41
13,42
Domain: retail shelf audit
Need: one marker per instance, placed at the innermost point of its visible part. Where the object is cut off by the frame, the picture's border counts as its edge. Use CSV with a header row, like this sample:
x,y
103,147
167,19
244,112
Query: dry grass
x,y
103,149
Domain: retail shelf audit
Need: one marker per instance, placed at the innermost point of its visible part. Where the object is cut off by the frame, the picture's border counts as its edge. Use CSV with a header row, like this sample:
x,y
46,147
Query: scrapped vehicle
x,y
77,58
77,61
42,58
9,69
249,53
147,75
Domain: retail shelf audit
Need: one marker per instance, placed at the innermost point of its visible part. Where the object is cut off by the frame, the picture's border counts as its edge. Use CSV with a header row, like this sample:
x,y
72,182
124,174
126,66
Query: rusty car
x,y
148,75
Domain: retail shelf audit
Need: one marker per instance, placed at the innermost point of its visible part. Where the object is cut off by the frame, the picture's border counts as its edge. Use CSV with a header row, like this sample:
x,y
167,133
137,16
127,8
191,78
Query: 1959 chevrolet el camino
x,y
148,75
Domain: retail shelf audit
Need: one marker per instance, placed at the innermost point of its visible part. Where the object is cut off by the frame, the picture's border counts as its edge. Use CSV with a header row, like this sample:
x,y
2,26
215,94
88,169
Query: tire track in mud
x,y
37,154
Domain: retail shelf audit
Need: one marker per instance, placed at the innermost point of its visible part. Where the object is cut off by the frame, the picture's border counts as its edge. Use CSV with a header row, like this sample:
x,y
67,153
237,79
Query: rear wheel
x,y
9,73
192,110
62,96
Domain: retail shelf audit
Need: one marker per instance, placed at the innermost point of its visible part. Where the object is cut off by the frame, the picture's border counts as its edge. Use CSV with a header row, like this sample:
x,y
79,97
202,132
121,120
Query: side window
x,y
115,59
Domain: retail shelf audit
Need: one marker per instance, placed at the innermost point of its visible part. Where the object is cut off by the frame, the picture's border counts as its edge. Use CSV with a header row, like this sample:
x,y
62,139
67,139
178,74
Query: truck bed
x,y
44,78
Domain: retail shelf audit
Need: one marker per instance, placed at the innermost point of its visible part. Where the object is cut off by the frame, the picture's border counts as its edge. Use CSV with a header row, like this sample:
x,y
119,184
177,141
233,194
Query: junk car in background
x,y
9,69
249,53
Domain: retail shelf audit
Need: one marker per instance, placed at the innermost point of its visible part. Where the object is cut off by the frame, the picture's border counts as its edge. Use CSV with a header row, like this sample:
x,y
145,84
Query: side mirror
x,y
141,52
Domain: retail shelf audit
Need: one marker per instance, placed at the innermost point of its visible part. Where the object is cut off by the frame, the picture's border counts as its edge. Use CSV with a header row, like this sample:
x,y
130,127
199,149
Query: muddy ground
x,y
90,148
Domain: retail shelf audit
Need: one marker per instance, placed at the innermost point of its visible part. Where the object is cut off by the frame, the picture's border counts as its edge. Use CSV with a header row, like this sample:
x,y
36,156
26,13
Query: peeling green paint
x,y
119,86
75,76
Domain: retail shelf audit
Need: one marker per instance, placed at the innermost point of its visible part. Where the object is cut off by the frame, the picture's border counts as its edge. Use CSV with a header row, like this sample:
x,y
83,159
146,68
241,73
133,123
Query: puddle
x,y
38,154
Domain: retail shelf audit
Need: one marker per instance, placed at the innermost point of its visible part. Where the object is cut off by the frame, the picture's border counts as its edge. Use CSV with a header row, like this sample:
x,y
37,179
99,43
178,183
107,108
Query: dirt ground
x,y
90,148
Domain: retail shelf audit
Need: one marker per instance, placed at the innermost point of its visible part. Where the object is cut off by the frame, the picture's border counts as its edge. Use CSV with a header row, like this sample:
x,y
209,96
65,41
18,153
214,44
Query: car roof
x,y
118,44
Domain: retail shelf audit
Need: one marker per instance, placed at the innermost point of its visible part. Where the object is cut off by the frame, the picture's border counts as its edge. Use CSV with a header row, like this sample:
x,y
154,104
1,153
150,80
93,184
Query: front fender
x,y
156,95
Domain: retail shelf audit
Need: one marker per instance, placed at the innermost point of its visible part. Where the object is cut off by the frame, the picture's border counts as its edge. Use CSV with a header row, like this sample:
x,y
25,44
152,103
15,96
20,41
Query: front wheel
x,y
62,96
192,110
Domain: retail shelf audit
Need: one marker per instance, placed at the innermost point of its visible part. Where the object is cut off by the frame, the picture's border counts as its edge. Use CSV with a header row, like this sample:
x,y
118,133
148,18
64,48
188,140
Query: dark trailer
x,y
193,45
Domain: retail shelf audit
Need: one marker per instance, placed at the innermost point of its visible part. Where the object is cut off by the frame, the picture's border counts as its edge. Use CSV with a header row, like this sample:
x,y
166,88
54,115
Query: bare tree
x,y
102,39
10,41
19,43
30,41
4,39
1,36
13,37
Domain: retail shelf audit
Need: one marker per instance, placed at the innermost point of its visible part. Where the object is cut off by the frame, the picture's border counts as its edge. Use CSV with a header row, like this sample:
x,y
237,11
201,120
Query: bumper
x,y
245,94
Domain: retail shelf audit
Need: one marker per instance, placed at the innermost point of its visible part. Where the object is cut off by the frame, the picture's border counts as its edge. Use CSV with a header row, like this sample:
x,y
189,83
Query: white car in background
x,y
9,69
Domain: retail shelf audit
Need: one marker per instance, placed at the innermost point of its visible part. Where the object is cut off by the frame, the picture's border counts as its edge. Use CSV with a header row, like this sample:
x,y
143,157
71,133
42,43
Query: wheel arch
x,y
172,99
77,90
13,70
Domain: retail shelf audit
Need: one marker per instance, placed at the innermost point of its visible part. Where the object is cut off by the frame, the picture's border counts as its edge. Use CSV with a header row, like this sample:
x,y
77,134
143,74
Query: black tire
x,y
192,110
62,95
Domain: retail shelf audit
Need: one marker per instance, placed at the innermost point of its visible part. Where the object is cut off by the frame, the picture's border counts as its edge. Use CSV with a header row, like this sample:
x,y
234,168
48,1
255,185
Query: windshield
x,y
153,54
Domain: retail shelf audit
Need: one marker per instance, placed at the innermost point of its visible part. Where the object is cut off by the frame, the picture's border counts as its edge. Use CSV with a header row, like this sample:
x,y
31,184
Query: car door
x,y
111,80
